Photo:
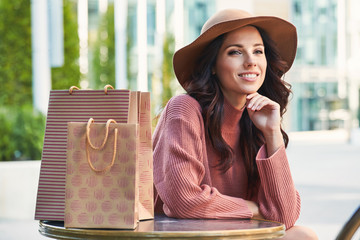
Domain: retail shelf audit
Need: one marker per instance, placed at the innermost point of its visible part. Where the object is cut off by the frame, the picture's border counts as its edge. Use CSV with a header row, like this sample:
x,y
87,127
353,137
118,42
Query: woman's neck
x,y
237,102
232,117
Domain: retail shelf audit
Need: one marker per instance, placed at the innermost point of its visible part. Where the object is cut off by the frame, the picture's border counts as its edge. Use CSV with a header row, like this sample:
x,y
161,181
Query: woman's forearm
x,y
274,140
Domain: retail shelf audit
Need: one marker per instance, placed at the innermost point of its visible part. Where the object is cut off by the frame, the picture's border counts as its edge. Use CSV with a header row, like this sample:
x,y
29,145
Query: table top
x,y
172,228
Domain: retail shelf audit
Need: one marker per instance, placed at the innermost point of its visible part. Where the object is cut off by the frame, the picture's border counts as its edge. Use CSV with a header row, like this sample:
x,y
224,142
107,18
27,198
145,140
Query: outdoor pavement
x,y
326,171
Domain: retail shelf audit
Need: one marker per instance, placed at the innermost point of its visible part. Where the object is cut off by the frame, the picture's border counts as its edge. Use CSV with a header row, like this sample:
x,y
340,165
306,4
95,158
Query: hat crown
x,y
225,16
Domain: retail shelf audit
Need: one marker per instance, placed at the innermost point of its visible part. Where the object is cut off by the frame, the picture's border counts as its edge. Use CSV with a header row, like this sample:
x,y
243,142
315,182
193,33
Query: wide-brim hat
x,y
280,31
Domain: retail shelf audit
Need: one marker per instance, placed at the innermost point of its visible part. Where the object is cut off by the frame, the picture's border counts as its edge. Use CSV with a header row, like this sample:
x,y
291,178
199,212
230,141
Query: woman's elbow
x,y
178,211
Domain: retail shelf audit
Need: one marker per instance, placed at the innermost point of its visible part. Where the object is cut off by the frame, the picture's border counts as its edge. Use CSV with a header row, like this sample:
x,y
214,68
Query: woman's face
x,y
241,64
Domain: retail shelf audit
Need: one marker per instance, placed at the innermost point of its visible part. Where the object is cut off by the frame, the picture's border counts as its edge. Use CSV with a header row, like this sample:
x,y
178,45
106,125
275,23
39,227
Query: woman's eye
x,y
234,52
259,51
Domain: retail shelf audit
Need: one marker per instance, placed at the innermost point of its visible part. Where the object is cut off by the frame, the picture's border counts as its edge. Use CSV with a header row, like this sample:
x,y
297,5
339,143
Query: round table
x,y
171,228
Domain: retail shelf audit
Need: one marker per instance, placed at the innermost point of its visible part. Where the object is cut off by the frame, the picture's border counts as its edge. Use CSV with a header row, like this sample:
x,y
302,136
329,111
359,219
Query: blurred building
x,y
179,21
325,76
319,78
171,22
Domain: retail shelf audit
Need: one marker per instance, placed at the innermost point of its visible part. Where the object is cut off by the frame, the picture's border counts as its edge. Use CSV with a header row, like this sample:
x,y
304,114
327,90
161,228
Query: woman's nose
x,y
249,61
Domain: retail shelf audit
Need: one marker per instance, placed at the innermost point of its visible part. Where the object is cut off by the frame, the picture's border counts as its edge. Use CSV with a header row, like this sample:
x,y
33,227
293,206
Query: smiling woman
x,y
219,150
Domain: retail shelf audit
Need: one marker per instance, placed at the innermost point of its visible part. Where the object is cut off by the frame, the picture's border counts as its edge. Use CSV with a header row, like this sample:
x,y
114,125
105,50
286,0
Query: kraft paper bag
x,y
102,175
65,106
146,188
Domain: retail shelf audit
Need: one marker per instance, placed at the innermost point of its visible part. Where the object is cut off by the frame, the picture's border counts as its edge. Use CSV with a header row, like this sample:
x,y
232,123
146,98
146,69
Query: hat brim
x,y
280,31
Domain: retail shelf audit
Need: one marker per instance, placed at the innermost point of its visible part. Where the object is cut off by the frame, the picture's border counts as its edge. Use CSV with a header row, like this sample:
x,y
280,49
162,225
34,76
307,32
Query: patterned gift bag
x,y
65,106
101,175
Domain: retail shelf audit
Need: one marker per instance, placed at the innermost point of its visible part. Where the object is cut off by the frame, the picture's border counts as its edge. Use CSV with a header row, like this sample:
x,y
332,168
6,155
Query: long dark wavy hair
x,y
205,88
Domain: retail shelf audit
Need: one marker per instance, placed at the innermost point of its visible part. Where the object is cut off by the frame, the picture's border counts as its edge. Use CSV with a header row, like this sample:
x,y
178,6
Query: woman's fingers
x,y
252,98
256,102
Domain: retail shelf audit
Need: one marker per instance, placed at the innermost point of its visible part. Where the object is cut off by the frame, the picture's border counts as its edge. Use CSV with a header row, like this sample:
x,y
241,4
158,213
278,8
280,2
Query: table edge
x,y
49,230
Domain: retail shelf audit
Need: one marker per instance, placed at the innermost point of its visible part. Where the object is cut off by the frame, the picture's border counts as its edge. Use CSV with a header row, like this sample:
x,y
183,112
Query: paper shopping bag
x,y
102,175
146,190
78,106
140,113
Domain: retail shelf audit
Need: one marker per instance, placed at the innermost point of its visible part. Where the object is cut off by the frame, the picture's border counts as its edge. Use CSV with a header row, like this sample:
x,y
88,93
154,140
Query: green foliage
x,y
15,52
69,74
104,54
7,146
167,67
21,134
21,130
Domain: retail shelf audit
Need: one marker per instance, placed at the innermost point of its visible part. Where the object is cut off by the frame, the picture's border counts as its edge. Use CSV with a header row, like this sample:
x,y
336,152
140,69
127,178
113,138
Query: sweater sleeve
x,y
179,167
278,199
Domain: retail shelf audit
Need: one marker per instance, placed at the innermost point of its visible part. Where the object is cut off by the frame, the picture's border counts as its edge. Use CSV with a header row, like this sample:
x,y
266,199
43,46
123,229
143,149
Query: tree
x,y
21,129
15,52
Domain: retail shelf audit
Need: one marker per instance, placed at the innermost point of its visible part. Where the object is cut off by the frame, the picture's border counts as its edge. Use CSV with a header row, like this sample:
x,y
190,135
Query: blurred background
x,y
55,44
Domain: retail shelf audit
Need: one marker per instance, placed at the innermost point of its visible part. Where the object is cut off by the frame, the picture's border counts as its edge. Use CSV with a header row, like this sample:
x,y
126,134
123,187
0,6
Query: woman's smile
x,y
249,76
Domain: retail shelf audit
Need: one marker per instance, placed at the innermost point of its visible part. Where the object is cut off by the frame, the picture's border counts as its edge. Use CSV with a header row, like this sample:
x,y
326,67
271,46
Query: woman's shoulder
x,y
184,100
183,106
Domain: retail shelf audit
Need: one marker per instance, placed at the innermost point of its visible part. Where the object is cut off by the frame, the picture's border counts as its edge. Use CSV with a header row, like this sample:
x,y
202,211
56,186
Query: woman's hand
x,y
265,114
254,208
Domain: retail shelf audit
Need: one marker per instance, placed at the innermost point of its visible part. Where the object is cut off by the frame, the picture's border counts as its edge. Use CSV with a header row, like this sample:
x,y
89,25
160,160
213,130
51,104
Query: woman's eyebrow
x,y
241,46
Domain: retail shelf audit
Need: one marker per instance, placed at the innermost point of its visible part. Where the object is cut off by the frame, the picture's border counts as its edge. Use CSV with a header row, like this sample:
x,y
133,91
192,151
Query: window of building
x,y
316,22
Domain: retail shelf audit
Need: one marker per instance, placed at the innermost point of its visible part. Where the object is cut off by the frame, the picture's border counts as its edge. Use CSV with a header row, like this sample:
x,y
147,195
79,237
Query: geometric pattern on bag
x,y
101,181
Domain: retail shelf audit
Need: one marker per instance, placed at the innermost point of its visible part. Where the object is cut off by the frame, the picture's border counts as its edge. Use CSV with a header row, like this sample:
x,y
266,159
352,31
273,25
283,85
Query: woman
x,y
219,150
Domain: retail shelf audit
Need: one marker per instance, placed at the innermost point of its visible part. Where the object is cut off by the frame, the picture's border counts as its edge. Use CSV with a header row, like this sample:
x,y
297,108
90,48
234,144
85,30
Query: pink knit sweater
x,y
188,186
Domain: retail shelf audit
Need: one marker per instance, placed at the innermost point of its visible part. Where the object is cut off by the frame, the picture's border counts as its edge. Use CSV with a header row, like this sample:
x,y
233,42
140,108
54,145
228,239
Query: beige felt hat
x,y
280,31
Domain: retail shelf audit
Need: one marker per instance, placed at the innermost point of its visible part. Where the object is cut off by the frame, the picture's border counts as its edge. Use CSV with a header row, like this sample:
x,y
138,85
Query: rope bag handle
x,y
72,88
106,88
91,120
